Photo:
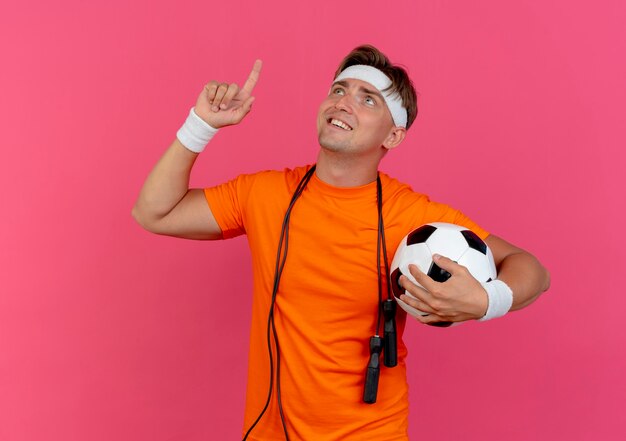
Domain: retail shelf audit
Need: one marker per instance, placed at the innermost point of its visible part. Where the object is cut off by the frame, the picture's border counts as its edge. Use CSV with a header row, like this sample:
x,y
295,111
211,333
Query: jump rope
x,y
386,310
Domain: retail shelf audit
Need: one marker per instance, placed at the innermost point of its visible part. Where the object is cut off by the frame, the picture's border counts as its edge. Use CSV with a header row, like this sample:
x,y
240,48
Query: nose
x,y
344,103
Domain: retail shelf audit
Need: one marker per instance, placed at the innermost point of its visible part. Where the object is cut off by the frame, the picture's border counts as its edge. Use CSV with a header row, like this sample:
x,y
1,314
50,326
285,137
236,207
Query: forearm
x,y
526,277
166,185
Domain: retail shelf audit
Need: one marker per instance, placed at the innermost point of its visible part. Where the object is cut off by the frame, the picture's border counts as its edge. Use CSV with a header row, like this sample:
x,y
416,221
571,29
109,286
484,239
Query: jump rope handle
x,y
391,341
373,370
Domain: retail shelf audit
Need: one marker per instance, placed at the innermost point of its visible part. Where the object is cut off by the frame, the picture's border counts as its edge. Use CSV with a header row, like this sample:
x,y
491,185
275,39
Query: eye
x,y
338,91
369,101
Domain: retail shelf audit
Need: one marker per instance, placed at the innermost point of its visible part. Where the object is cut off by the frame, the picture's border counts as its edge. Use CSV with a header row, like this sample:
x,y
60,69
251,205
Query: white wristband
x,y
500,299
195,134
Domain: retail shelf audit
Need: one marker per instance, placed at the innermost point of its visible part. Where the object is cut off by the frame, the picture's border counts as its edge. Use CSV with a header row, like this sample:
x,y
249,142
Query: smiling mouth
x,y
340,124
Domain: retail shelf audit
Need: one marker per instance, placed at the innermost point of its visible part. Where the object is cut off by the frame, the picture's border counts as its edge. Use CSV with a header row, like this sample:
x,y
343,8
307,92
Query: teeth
x,y
341,124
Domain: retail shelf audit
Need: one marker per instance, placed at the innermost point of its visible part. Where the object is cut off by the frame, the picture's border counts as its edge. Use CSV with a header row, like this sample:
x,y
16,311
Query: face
x,y
354,119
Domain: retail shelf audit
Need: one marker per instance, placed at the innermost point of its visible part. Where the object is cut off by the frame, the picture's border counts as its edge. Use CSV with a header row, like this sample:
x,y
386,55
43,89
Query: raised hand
x,y
222,104
458,299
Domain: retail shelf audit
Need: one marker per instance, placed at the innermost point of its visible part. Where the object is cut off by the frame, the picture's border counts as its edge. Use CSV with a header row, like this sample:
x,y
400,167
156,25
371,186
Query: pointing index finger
x,y
253,77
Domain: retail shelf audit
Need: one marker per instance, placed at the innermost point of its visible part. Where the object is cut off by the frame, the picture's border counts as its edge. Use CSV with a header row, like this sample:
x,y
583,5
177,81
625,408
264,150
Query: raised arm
x,y
166,205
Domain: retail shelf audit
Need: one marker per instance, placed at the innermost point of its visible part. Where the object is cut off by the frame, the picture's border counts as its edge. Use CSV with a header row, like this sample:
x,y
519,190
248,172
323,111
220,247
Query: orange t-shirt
x,y
326,305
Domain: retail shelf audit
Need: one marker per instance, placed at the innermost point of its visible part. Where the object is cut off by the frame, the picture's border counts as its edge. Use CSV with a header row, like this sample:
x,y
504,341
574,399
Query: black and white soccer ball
x,y
452,241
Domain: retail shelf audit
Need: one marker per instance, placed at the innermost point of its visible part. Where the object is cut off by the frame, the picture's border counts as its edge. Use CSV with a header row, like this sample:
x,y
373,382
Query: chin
x,y
332,142
332,146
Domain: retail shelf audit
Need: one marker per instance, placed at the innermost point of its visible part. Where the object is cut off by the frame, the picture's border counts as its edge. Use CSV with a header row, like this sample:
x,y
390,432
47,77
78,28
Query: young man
x,y
317,308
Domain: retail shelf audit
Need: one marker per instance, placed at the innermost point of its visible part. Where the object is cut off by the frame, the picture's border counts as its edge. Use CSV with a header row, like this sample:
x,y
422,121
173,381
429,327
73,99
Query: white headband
x,y
380,81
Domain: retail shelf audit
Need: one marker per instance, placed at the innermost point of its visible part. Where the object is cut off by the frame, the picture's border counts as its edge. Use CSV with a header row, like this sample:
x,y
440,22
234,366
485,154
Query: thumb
x,y
247,104
245,108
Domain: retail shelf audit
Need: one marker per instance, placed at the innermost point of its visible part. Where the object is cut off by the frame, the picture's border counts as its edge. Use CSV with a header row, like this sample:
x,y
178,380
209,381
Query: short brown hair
x,y
400,81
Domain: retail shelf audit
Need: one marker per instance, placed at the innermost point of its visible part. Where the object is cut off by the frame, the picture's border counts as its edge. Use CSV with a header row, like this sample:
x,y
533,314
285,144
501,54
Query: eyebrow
x,y
362,89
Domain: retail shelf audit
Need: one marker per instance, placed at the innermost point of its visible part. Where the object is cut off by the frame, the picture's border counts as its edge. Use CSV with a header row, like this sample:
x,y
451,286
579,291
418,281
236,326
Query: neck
x,y
340,171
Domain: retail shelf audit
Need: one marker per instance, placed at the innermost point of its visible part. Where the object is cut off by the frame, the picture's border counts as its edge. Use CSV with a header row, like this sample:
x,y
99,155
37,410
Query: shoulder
x,y
262,180
408,202
397,191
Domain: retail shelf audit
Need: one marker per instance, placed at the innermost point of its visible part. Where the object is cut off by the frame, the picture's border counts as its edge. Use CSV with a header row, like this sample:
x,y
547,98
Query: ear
x,y
395,137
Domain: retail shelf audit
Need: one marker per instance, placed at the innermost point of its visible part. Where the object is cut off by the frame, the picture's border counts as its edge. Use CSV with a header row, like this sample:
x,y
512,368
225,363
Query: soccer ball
x,y
452,241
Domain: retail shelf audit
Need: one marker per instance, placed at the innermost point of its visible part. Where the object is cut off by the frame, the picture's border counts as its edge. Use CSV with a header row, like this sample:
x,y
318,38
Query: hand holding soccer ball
x,y
437,271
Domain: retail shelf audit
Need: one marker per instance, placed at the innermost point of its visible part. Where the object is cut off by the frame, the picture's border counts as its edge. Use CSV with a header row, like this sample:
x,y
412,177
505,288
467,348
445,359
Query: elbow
x,y
136,214
542,277
546,280
141,218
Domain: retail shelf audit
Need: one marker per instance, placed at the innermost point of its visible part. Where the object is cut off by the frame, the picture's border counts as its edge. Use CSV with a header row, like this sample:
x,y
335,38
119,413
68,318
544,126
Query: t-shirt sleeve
x,y
226,202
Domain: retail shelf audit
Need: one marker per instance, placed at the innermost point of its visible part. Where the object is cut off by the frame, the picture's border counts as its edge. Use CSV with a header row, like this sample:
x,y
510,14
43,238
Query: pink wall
x,y
110,333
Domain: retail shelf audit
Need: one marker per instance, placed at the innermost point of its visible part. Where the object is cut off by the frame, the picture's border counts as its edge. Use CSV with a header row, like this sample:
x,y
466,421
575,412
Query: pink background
x,y
110,333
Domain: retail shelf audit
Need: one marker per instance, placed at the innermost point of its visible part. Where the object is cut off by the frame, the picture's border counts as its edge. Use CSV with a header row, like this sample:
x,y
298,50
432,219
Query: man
x,y
317,307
